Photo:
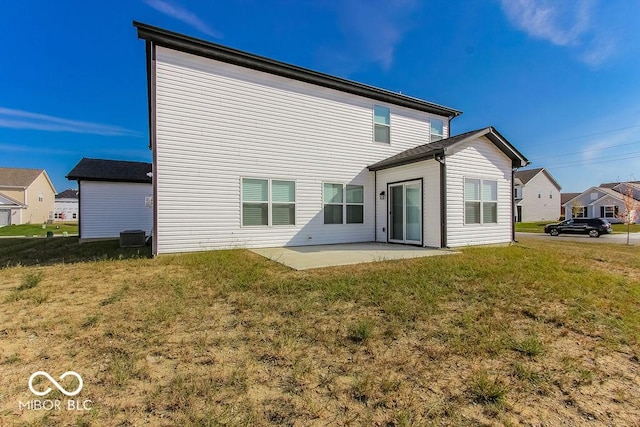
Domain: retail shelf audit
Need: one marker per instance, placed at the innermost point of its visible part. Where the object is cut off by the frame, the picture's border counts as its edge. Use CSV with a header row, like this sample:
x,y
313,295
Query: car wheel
x,y
554,232
594,233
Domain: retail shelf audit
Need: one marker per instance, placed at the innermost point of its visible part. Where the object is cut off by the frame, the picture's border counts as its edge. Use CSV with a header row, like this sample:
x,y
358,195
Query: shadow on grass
x,y
41,251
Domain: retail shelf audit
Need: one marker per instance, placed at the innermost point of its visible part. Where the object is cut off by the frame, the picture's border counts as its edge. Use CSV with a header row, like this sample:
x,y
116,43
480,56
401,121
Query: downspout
x,y
513,204
443,199
79,212
375,206
151,87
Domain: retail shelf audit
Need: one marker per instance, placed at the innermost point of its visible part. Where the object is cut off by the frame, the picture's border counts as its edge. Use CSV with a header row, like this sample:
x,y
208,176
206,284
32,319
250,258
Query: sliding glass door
x,y
405,212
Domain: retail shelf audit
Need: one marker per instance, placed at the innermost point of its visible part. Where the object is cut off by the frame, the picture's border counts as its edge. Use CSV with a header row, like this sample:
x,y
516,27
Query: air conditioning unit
x,y
131,238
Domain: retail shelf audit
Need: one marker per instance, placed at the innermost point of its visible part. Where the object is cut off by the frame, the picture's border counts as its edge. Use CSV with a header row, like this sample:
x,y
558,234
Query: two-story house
x,y
537,196
253,152
26,196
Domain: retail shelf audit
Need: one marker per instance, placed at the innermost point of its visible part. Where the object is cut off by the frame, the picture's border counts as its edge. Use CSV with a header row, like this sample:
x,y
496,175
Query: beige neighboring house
x,y
26,196
537,196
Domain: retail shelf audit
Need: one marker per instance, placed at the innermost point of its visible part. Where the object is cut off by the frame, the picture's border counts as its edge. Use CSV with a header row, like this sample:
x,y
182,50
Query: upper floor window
x,y
268,202
437,130
343,204
381,124
480,201
40,197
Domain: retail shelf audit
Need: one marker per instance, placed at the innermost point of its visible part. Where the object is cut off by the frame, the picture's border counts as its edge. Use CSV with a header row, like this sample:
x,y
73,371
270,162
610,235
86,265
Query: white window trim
x,y
373,112
613,211
432,133
344,203
269,203
464,203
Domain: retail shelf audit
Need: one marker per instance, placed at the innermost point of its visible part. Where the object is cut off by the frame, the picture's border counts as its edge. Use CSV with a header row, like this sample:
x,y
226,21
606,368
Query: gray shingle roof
x,y
69,193
613,184
434,149
527,174
16,177
565,197
110,170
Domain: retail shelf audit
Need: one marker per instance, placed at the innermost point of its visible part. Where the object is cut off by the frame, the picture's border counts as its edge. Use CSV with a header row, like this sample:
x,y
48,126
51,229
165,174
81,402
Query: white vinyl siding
x,y
218,122
543,208
478,158
109,208
429,171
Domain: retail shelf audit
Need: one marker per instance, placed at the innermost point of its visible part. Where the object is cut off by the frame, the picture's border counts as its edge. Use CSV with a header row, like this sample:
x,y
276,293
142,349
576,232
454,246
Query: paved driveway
x,y
620,238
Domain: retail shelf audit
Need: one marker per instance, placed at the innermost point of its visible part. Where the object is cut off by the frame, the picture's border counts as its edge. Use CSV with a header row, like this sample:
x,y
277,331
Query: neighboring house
x,y
564,198
66,206
28,195
537,195
114,196
600,202
7,208
252,152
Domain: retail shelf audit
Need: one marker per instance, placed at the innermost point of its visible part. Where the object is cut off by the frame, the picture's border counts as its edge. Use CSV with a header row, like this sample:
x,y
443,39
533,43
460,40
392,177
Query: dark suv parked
x,y
594,227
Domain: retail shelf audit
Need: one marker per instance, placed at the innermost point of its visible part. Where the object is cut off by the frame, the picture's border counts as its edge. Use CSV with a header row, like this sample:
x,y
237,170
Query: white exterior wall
x,y
217,123
477,159
66,207
107,208
543,208
429,171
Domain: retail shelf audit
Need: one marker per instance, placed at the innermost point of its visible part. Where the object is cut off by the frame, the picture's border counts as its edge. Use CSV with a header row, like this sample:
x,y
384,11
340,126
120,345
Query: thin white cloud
x,y
19,119
181,14
21,148
372,30
566,23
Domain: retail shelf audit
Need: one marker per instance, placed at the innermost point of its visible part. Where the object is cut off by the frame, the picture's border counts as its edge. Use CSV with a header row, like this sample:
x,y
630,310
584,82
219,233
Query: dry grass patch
x,y
535,333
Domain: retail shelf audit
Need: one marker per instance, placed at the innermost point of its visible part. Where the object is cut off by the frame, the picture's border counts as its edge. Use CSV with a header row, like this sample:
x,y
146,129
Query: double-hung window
x,y
608,211
267,202
381,124
437,130
343,204
480,201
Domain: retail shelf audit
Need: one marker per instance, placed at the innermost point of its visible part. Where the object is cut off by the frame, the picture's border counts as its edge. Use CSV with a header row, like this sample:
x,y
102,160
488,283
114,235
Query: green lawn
x,y
30,230
542,332
531,227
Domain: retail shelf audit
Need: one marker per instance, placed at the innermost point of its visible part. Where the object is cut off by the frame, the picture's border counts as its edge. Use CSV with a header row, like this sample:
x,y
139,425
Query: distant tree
x,y
631,210
576,207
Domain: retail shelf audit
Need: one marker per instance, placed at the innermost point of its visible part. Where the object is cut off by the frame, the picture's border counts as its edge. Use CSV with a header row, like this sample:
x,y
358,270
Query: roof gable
x,y
527,175
17,177
110,170
69,193
9,201
436,149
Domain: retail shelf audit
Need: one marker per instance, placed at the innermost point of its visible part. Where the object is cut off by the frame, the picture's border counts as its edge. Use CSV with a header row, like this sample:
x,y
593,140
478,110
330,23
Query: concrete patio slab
x,y
318,256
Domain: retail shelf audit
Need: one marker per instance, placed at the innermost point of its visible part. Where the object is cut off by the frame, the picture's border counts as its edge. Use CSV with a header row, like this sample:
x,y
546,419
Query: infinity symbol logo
x,y
55,383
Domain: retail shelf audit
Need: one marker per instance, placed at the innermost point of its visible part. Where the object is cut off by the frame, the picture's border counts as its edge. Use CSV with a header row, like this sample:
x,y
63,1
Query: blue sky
x,y
558,78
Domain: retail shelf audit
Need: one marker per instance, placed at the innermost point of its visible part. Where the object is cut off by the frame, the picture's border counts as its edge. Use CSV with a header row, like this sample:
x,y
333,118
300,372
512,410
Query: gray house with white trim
x,y
252,152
